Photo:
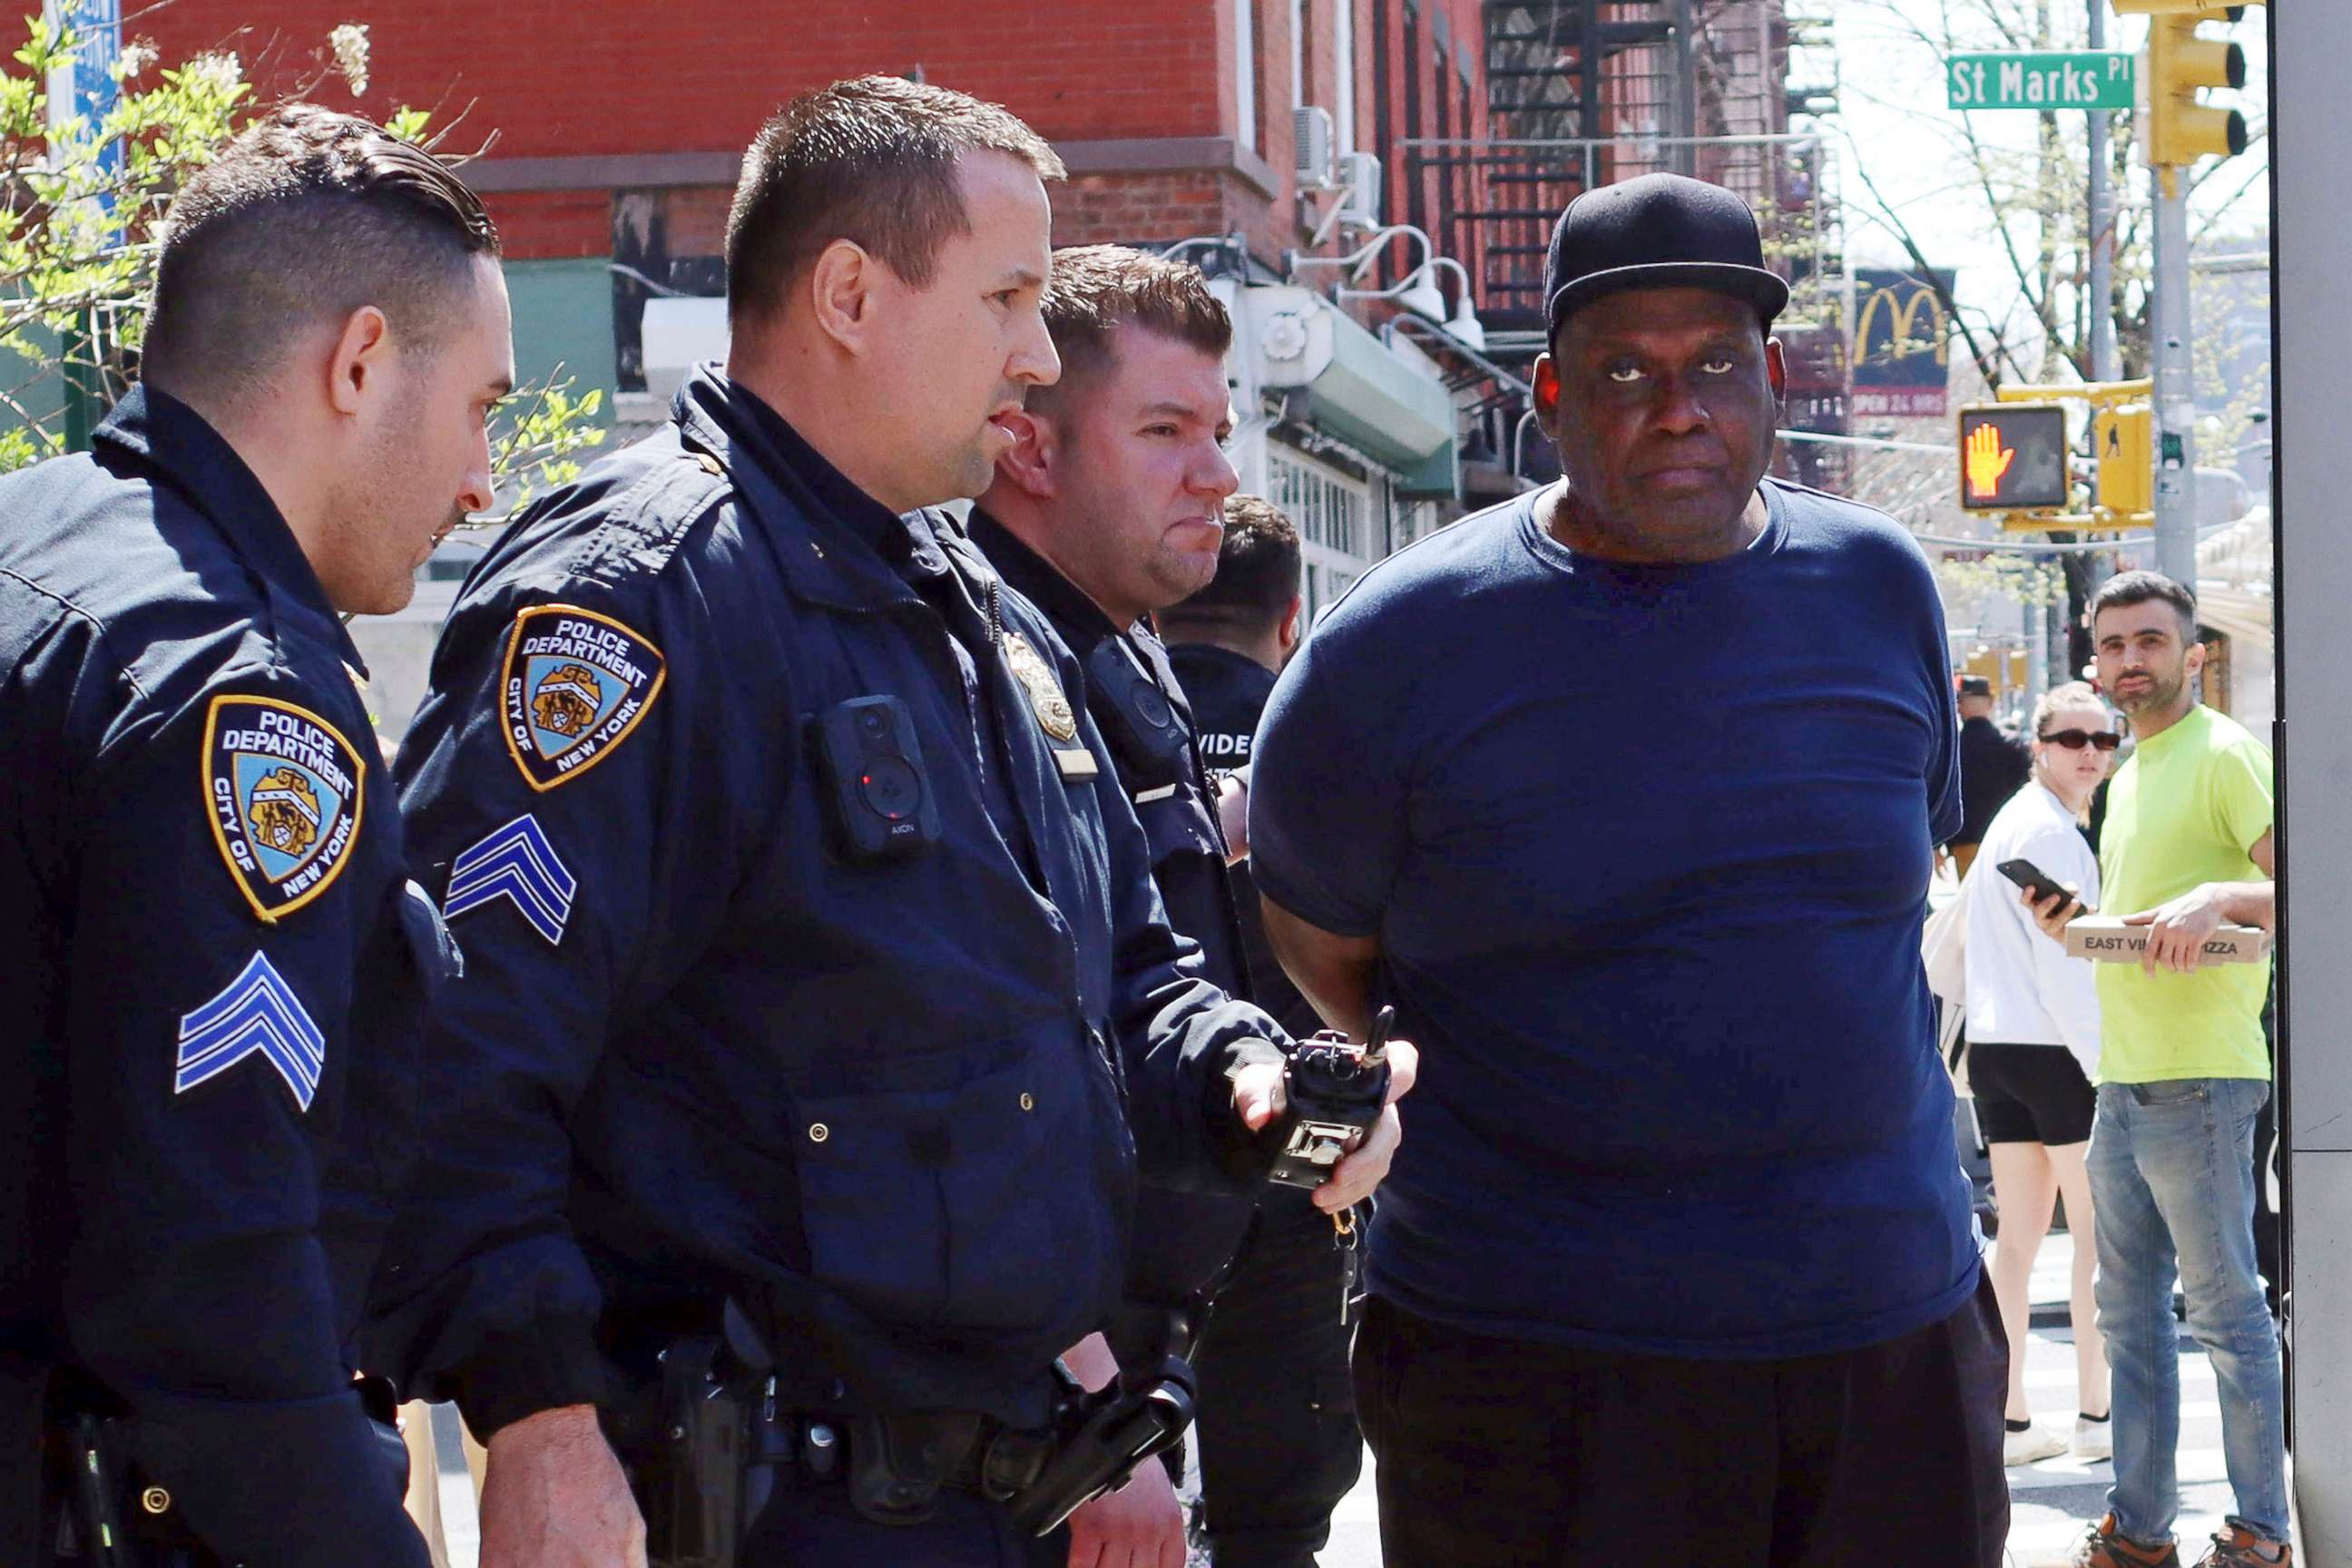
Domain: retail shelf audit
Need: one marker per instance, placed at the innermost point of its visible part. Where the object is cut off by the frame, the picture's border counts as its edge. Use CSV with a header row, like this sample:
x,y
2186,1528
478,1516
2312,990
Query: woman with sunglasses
x,y
2033,1046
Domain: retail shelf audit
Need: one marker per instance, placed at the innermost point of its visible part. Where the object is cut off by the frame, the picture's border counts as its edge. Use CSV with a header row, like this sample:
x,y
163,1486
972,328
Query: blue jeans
x,y
2172,1185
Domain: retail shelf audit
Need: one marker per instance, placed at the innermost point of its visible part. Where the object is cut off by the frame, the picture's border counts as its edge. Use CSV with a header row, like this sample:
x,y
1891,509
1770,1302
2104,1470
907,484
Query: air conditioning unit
x,y
1359,173
680,332
1312,138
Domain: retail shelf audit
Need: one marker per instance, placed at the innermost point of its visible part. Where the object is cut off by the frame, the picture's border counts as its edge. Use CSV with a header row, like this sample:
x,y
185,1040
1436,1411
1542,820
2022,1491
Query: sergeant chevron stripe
x,y
258,1014
517,863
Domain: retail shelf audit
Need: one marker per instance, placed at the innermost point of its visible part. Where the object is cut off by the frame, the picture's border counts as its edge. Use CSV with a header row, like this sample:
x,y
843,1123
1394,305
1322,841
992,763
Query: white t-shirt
x,y
2022,988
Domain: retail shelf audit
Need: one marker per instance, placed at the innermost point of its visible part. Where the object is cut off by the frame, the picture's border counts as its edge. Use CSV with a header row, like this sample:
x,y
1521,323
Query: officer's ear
x,y
1028,463
841,286
1293,628
363,353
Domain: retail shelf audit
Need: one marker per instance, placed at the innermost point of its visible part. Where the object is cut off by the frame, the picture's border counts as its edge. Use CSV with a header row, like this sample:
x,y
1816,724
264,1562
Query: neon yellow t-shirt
x,y
2183,811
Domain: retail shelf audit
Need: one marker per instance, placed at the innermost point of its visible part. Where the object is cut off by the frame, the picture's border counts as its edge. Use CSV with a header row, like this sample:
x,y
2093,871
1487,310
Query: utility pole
x,y
2176,382
2181,130
2104,366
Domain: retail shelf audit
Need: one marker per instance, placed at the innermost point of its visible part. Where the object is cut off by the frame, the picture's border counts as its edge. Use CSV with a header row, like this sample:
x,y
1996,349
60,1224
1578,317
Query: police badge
x,y
575,684
282,789
1045,698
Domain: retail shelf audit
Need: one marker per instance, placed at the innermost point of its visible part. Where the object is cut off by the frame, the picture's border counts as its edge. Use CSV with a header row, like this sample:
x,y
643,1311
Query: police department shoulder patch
x,y
575,684
282,788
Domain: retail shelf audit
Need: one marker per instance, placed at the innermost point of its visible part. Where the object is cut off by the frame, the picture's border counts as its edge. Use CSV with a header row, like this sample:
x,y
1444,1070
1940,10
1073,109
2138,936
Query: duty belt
x,y
707,1456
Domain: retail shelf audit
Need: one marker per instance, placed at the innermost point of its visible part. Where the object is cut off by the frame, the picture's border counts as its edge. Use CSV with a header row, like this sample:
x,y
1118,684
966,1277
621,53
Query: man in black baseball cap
x,y
1678,1267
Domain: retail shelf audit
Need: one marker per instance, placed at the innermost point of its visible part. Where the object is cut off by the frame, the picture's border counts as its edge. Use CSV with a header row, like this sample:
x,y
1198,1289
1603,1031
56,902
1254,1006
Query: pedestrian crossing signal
x,y
2013,458
2126,459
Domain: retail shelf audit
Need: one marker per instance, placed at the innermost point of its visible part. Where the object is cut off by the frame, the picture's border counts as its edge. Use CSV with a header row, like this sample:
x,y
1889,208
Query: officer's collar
x,y
166,434
759,432
1216,653
1077,617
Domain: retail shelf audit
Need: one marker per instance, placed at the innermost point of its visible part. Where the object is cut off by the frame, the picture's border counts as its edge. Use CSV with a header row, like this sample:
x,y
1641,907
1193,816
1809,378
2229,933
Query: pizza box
x,y
2107,938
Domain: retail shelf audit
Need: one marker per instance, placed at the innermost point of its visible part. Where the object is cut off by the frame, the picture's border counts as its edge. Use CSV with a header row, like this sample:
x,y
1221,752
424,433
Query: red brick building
x,y
618,126
615,132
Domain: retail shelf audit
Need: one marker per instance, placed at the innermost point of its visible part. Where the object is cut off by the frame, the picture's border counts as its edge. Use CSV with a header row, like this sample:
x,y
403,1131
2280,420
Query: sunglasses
x,y
2075,740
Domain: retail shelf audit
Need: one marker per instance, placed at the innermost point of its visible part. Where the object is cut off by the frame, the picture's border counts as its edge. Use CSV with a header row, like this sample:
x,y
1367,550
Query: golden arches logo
x,y
1905,305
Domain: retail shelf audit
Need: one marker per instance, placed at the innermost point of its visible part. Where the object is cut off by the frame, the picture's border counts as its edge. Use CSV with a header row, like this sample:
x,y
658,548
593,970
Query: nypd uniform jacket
x,y
1132,694
217,974
713,1044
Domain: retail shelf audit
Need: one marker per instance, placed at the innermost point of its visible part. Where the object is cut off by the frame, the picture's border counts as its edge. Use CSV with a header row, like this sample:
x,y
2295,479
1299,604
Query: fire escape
x,y
1585,92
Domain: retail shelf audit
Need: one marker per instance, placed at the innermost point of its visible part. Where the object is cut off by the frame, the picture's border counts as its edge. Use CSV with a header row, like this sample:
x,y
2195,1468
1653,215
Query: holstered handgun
x,y
693,1454
1111,1432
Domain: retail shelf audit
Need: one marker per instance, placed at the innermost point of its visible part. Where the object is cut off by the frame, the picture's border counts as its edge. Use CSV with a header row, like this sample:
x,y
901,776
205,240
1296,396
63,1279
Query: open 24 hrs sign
x,y
2096,79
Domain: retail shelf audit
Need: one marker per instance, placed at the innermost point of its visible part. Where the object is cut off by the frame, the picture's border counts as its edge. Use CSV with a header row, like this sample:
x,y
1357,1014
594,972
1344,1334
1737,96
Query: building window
x,y
1333,515
1245,71
1416,519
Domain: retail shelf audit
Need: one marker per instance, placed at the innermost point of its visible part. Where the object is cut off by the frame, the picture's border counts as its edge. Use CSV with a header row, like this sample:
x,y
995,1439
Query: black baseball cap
x,y
1975,686
1659,231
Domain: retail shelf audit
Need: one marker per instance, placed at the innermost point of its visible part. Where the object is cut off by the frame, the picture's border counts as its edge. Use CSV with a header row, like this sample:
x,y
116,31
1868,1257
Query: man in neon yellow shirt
x,y
2182,1074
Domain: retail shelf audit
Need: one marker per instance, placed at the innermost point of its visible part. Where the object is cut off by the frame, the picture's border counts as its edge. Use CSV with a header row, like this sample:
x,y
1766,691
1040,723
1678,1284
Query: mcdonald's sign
x,y
1902,344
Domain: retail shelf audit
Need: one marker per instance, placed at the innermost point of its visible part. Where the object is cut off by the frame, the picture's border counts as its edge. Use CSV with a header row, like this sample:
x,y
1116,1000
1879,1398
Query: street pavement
x,y
2052,1501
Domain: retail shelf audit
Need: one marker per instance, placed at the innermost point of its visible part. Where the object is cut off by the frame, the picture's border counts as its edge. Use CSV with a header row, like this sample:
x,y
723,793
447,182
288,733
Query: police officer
x,y
810,959
1226,643
219,967
1107,507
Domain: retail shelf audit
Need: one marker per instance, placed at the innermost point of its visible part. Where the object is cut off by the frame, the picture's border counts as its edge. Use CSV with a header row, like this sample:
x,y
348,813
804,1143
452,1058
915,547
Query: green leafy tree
x,y
81,204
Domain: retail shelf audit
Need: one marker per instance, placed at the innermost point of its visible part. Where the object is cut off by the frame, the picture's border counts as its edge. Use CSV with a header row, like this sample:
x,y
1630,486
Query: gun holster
x,y
1102,1440
696,1453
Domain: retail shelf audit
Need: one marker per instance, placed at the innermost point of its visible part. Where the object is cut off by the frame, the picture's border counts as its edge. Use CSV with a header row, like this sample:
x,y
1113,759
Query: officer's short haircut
x,y
872,161
1097,289
306,217
2140,588
1258,572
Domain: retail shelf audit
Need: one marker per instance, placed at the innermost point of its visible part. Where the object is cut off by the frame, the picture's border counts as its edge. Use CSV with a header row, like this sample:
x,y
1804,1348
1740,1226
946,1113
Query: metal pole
x,y
2104,366
2311,229
2176,386
2037,651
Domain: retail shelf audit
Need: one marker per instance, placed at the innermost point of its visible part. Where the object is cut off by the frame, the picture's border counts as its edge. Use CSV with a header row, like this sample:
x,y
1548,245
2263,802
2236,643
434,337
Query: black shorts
x,y
2030,1094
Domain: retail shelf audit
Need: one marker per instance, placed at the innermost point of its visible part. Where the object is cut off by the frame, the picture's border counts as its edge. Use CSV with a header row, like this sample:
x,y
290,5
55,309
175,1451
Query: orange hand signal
x,y
1986,460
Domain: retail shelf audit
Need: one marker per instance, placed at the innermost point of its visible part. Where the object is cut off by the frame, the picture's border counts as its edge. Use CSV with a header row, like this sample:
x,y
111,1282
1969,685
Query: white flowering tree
x,y
81,207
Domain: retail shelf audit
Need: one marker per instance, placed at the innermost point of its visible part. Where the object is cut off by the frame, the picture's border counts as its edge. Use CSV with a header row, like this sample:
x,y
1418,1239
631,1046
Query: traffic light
x,y
2014,457
2126,453
2181,129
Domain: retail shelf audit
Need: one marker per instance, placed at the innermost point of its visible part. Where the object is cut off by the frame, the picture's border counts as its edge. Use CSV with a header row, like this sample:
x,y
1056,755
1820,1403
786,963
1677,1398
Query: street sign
x,y
2091,78
2013,458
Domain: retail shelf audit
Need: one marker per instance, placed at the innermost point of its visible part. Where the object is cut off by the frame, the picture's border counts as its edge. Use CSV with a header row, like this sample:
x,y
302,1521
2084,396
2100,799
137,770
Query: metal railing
x,y
1497,202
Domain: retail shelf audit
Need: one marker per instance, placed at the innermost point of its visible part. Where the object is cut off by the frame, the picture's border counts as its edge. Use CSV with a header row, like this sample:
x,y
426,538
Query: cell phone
x,y
2035,881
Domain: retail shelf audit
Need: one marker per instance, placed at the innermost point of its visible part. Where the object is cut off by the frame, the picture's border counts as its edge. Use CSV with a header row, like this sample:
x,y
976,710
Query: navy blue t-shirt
x,y
1647,850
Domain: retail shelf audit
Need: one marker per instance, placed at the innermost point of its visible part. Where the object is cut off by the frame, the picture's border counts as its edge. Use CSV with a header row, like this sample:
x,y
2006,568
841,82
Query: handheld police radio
x,y
1336,1091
